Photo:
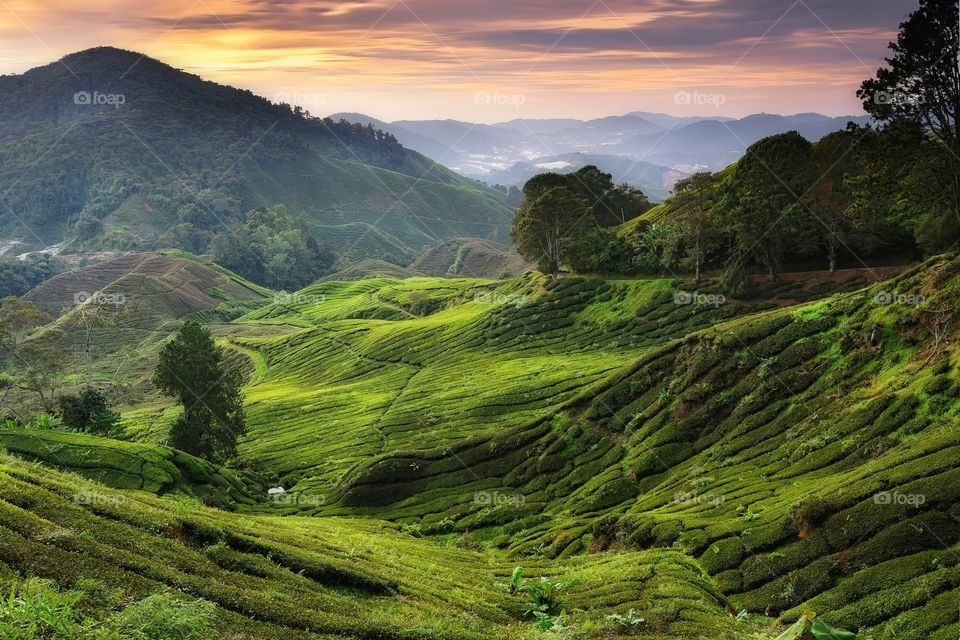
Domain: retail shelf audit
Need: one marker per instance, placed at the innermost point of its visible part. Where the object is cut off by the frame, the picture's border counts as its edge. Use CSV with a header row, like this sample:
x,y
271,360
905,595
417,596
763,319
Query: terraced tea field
x,y
318,579
806,457
650,447
385,366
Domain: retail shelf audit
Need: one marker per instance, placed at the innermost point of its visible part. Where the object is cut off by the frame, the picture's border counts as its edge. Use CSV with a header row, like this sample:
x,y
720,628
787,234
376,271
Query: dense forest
x,y
172,159
891,190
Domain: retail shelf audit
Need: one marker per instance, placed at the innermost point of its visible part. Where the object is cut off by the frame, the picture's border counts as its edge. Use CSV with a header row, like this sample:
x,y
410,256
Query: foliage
x,y
921,83
88,411
758,202
37,610
547,225
19,276
37,362
164,616
600,251
272,249
632,619
696,236
543,597
191,369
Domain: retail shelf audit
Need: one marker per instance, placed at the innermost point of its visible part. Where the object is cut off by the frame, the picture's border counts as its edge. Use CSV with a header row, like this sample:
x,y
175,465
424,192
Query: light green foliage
x,y
163,616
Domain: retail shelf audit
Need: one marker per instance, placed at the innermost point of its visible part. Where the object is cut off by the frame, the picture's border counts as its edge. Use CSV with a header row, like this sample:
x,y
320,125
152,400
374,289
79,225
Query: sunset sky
x,y
489,60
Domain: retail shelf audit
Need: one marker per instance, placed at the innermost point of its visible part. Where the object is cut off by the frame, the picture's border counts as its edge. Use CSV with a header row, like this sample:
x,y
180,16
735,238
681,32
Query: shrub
x,y
35,609
164,616
88,412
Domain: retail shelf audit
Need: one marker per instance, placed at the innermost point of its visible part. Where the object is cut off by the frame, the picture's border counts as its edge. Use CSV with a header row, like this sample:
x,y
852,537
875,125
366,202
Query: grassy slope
x,y
759,447
147,295
320,579
383,366
127,465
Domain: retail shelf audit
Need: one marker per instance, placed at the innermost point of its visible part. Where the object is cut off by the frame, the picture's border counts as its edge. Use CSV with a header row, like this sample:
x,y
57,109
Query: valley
x,y
578,339
711,457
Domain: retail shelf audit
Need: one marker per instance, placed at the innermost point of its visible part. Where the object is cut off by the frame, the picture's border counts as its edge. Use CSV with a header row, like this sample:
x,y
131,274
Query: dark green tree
x,y
759,202
546,225
272,249
921,82
191,370
697,234
88,411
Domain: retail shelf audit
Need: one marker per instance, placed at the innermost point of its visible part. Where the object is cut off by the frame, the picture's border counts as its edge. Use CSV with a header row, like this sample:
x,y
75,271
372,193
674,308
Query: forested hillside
x,y
111,149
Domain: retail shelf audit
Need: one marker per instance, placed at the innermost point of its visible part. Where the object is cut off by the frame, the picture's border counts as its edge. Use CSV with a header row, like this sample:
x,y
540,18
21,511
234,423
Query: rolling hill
x,y
652,446
301,578
470,257
118,180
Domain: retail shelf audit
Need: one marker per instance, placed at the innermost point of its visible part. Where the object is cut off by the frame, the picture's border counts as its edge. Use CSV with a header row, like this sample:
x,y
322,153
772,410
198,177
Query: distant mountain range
x,y
650,150
108,149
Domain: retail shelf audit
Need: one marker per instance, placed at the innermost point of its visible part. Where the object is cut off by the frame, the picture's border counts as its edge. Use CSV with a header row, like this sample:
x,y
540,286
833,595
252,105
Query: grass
x,y
667,463
127,465
271,577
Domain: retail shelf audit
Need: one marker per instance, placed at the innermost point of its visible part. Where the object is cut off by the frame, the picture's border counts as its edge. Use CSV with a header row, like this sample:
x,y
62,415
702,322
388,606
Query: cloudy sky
x,y
489,60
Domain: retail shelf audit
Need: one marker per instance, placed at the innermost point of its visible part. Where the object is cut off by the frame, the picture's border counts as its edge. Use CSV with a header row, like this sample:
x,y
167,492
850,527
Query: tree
x,y
88,411
829,197
45,367
626,202
696,231
773,175
273,250
601,251
39,360
191,370
922,82
611,204
546,225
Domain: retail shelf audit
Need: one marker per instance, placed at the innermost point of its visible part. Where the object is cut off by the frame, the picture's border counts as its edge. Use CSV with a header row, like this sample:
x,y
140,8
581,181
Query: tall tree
x,y
38,358
696,230
191,369
759,202
922,82
546,225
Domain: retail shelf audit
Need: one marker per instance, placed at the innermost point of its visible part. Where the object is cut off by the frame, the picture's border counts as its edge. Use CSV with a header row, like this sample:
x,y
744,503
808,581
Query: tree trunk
x,y
88,359
698,259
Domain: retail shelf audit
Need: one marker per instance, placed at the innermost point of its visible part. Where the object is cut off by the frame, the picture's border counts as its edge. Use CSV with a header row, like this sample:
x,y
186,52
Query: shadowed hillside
x,y
472,258
805,456
148,156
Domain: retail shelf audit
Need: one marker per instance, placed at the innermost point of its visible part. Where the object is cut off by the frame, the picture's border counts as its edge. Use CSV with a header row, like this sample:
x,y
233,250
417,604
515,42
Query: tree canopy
x,y
191,370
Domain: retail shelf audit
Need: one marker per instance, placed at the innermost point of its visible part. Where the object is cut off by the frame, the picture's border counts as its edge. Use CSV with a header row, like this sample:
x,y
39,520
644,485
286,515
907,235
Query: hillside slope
x,y
144,149
470,257
318,579
807,457
127,465
125,307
